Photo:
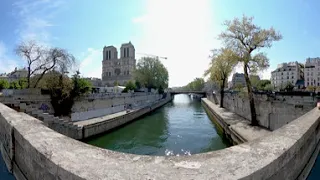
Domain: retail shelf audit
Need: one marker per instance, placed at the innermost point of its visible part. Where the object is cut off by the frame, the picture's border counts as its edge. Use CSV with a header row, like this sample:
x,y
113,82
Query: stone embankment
x,y
237,129
142,104
273,111
103,124
33,151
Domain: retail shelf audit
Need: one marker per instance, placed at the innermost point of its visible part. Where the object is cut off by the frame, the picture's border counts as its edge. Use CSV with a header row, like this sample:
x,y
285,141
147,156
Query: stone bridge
x,y
188,92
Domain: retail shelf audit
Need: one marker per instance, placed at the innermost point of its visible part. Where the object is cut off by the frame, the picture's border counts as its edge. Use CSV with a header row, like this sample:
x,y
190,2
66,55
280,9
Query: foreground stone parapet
x,y
33,151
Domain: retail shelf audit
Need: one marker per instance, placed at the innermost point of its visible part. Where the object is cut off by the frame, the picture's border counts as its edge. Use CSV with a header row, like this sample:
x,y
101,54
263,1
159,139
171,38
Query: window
x,y
128,52
292,77
308,74
109,54
311,73
289,69
307,84
287,77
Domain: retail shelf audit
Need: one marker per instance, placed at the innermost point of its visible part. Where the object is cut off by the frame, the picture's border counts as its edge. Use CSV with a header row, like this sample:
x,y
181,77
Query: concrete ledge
x,y
41,153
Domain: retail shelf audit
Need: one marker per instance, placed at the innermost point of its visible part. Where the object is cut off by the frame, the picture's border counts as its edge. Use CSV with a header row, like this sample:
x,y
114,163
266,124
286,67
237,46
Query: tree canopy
x,y
220,68
41,59
4,84
151,73
196,85
130,86
246,39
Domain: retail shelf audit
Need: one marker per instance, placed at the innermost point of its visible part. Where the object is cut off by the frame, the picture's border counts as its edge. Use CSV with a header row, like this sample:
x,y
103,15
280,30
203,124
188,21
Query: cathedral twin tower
x,y
118,71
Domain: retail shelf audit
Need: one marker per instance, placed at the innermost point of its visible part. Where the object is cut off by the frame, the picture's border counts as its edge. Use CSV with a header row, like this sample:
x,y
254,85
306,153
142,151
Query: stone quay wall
x,y
104,126
33,151
97,105
272,112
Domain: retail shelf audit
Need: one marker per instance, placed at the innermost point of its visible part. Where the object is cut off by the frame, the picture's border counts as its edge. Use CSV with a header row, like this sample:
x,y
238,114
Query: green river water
x,y
181,127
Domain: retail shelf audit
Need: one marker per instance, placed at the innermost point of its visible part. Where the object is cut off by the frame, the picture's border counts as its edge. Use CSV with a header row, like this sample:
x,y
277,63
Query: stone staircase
x,y
57,124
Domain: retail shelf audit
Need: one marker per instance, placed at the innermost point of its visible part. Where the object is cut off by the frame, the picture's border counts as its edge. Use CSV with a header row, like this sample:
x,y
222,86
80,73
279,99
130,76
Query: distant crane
x,y
160,57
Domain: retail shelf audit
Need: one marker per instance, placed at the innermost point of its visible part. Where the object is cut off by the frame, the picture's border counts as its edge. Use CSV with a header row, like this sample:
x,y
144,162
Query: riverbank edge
x,y
37,152
97,128
235,128
231,135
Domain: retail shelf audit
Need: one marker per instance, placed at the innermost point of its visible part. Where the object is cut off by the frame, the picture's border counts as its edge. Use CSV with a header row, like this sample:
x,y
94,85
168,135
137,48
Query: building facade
x,y
312,72
118,71
287,73
238,80
15,75
96,82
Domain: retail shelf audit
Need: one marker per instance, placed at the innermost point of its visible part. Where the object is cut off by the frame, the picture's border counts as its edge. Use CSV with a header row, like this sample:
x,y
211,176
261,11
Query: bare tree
x,y
32,53
246,38
41,60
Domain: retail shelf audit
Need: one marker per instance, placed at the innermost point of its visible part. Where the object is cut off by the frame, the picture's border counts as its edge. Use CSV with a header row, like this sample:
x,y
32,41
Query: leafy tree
x,y
289,86
14,85
246,39
222,63
238,87
151,73
41,60
254,80
4,84
311,88
80,85
23,83
262,84
160,90
196,85
129,87
138,84
268,87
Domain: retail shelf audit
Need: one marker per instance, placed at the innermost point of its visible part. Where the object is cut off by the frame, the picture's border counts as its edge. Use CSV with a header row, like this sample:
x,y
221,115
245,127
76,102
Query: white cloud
x,y
183,31
6,64
90,65
36,18
140,19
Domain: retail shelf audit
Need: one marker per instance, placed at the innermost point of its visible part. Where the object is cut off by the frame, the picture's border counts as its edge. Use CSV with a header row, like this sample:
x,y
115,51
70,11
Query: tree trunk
x,y
28,77
41,76
222,94
254,121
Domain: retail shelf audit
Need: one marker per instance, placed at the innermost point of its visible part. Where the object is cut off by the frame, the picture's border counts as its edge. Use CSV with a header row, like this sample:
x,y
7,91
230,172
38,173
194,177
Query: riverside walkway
x,y
102,118
237,124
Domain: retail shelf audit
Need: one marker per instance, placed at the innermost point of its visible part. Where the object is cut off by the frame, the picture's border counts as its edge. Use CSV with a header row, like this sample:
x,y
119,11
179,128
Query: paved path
x,y
102,118
237,123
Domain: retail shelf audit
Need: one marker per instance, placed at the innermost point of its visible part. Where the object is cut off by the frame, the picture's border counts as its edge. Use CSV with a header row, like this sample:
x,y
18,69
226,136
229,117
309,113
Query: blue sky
x,y
182,30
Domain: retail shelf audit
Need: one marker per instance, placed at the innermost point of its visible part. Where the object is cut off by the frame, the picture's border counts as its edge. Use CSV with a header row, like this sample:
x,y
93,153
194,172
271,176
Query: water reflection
x,y
181,127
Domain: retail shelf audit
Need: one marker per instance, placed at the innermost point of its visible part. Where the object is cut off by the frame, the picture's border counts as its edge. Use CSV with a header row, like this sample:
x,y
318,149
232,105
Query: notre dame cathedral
x,y
118,71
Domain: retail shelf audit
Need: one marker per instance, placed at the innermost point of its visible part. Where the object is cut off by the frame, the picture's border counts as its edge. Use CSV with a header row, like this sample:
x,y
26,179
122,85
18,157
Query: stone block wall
x,y
86,107
272,112
32,151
